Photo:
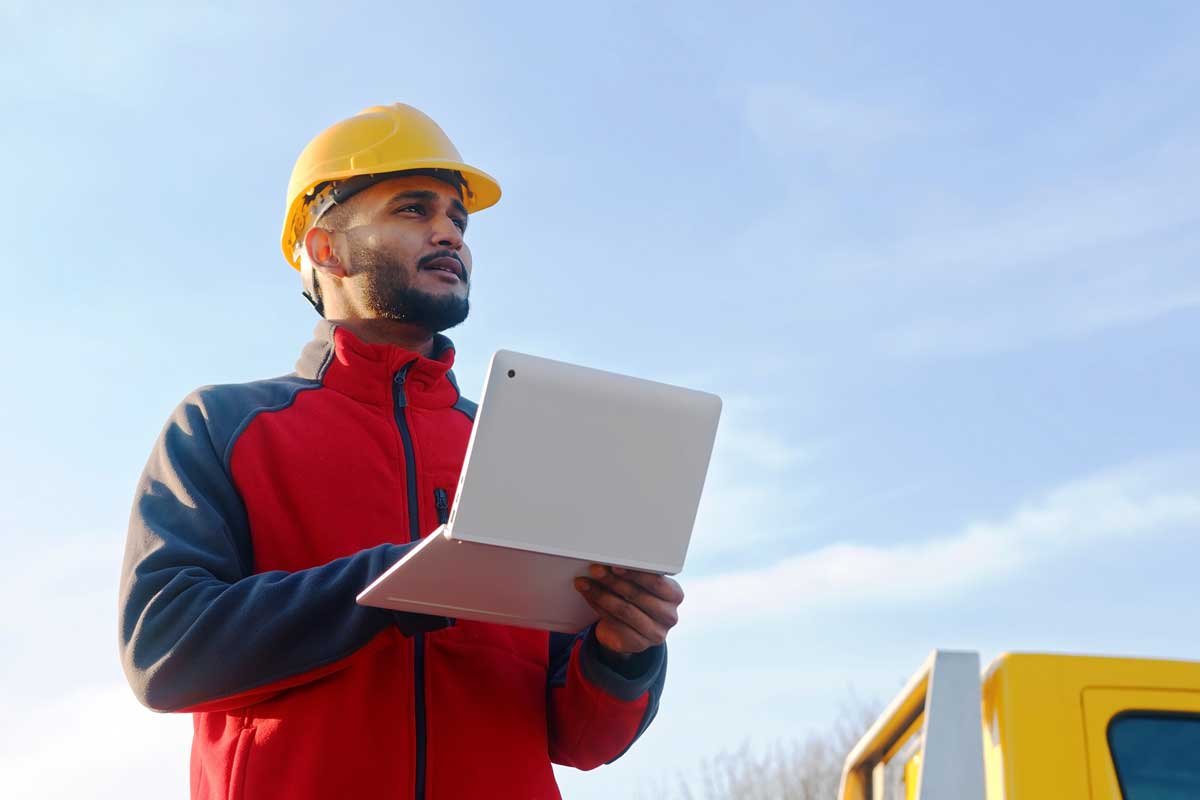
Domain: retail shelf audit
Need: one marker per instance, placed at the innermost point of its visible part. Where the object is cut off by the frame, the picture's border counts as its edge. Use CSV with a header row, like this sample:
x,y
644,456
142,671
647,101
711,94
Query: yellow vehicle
x,y
1034,727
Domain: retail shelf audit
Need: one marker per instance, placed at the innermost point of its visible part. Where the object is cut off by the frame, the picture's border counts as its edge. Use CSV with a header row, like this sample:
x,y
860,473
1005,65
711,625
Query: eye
x,y
460,222
415,207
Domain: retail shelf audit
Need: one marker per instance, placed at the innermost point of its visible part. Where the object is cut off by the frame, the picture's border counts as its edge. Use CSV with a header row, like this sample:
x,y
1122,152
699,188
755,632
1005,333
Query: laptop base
x,y
486,583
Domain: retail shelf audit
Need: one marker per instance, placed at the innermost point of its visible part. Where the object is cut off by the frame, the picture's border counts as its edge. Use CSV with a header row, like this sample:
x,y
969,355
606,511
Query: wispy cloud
x,y
792,119
112,53
1114,248
93,742
752,483
1056,215
1094,231
978,328
1137,500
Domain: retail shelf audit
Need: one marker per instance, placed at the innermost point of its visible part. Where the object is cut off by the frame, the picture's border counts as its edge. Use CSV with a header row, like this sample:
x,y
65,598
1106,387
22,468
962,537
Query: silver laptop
x,y
567,466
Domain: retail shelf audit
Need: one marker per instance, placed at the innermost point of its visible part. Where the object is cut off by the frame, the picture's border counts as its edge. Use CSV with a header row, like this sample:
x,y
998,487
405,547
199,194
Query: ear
x,y
318,243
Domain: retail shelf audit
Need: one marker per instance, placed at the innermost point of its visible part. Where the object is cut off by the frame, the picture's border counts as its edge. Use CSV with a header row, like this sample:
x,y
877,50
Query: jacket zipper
x,y
441,501
414,534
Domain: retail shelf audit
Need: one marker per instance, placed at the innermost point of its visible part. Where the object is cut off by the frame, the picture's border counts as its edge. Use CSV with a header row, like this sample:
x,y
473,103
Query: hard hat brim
x,y
483,191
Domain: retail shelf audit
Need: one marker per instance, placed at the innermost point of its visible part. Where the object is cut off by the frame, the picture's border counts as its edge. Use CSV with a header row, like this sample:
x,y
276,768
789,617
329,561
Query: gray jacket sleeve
x,y
198,628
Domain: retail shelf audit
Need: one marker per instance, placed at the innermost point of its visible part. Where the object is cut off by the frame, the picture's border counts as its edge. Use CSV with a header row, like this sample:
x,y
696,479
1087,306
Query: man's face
x,y
405,255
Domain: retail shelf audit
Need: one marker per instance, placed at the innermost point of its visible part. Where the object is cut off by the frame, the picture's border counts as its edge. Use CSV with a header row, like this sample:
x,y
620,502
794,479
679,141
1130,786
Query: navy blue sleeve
x,y
196,625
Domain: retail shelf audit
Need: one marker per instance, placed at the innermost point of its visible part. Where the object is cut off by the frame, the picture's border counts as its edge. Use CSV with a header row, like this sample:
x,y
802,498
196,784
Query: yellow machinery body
x,y
1045,726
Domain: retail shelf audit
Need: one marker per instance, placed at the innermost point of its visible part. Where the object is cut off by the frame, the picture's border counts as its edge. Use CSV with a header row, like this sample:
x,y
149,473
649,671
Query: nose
x,y
445,233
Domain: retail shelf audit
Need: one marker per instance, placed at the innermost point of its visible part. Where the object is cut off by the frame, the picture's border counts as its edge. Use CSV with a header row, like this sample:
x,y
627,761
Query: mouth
x,y
446,264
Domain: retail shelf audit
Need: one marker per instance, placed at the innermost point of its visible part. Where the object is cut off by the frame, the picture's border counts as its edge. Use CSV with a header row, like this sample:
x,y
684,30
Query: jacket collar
x,y
343,362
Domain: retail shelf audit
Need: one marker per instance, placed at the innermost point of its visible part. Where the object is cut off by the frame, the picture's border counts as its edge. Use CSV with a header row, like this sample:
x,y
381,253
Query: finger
x,y
619,637
621,610
659,585
661,611
616,635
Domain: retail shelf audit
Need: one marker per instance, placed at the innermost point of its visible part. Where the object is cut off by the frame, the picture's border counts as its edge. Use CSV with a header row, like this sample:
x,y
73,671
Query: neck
x,y
389,331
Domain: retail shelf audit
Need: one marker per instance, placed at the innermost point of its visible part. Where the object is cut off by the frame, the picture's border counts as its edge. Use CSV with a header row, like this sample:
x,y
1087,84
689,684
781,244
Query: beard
x,y
390,294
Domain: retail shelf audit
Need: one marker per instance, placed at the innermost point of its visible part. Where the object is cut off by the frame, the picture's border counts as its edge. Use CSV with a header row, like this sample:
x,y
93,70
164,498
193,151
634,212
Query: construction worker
x,y
266,507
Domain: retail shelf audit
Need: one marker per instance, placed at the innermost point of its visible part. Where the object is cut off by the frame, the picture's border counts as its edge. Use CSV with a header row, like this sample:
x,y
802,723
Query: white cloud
x,y
114,52
1107,250
748,438
751,484
1148,192
790,119
1094,231
1044,318
1138,500
93,742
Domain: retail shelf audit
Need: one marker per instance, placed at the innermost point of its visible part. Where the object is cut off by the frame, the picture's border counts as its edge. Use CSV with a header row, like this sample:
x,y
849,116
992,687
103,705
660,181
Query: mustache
x,y
425,260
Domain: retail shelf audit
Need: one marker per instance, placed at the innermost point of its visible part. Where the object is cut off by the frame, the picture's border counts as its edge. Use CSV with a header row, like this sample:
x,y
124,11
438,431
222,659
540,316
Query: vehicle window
x,y
1157,756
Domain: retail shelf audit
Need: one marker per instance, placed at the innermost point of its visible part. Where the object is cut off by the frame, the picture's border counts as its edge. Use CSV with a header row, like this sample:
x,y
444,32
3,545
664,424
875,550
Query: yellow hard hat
x,y
377,141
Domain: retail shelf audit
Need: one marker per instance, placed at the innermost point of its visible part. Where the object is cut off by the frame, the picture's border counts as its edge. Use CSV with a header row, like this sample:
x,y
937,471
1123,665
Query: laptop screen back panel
x,y
587,464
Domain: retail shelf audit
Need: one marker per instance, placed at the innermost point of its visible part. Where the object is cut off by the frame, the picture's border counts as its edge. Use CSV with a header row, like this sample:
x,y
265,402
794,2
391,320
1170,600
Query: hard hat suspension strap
x,y
311,291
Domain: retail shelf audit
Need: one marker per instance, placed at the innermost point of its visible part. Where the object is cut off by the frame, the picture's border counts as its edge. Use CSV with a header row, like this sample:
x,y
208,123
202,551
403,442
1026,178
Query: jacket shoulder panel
x,y
228,409
462,404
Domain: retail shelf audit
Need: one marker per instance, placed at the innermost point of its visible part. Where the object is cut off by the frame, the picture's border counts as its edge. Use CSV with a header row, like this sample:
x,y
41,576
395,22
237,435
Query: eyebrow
x,y
429,197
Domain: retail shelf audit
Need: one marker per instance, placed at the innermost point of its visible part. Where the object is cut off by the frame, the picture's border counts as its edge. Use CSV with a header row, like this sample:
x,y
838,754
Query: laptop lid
x,y
583,463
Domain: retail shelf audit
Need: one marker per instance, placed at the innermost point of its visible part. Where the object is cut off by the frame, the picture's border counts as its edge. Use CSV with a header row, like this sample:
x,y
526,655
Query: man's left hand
x,y
636,608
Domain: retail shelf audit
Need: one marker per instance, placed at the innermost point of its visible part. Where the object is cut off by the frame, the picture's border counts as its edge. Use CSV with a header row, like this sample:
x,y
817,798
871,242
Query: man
x,y
266,507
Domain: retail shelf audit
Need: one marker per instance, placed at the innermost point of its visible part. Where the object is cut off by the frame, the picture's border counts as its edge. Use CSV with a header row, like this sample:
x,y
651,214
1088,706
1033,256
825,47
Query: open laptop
x,y
567,466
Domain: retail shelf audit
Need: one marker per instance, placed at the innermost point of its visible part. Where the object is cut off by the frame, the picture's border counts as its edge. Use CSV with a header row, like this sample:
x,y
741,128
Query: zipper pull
x,y
398,386
441,500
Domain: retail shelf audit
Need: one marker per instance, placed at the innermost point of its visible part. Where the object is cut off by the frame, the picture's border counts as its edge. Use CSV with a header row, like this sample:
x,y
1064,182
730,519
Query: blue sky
x,y
940,259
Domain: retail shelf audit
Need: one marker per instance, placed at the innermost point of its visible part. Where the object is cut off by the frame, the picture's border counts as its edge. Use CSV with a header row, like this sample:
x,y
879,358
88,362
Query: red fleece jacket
x,y
264,509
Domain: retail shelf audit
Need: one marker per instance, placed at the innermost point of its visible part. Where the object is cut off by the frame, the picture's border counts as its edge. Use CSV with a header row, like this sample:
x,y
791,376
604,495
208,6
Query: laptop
x,y
567,466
